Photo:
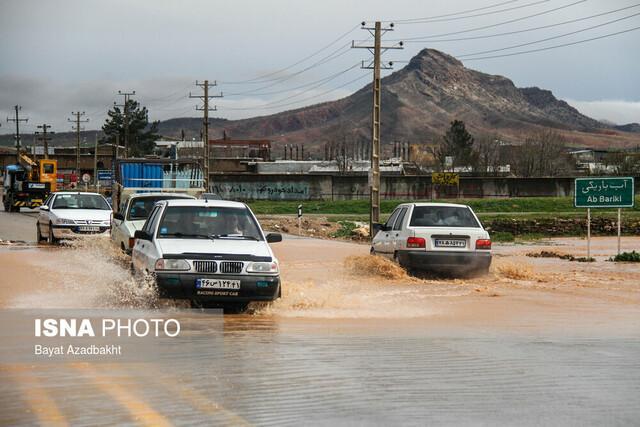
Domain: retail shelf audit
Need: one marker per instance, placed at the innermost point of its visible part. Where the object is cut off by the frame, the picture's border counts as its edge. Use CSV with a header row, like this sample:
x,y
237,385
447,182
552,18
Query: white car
x,y
438,237
69,214
132,214
211,252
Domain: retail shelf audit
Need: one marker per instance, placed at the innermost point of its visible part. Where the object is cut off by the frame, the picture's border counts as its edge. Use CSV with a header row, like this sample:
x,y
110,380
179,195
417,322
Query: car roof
x,y
159,194
77,192
204,202
453,205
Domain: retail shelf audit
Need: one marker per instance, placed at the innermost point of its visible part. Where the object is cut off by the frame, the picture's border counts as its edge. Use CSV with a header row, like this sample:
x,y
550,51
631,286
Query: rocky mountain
x,y
418,103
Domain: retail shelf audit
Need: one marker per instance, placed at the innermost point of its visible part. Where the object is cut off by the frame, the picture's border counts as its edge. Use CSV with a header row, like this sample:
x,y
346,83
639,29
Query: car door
x,y
44,217
384,246
145,254
397,235
117,226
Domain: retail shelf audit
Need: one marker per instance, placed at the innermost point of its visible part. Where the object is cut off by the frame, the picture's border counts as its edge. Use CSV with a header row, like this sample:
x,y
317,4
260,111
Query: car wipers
x,y
179,234
233,236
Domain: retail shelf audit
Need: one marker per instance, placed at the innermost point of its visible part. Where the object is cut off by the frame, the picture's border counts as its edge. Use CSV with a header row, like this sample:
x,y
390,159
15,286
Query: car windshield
x,y
443,216
141,206
80,201
208,222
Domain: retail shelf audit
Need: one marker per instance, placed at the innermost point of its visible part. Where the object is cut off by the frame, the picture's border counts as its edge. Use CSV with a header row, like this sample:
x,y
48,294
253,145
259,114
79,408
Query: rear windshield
x,y
80,201
207,222
141,207
439,216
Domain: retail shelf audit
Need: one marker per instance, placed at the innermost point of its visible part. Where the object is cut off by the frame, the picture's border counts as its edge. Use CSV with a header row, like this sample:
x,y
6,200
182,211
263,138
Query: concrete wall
x,y
345,187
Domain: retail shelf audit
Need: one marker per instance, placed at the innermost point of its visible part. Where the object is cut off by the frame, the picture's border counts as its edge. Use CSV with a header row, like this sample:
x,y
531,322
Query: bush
x,y
632,256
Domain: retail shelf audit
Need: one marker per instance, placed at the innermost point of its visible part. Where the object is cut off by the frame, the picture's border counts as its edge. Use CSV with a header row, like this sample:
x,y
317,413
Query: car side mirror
x,y
378,227
274,237
44,208
142,235
118,216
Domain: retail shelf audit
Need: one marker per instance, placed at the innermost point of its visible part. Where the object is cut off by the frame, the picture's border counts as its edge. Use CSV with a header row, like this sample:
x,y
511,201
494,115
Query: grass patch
x,y
345,230
632,256
502,236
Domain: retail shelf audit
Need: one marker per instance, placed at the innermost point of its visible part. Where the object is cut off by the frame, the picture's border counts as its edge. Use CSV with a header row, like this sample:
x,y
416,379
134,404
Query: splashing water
x,y
88,273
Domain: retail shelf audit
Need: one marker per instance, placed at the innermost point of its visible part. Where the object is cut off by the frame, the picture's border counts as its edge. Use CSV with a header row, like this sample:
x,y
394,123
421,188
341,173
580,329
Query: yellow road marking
x,y
139,410
200,402
42,405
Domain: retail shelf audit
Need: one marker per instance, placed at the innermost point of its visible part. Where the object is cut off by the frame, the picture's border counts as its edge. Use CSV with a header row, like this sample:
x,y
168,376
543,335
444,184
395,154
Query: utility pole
x,y
125,108
205,124
17,119
77,127
44,138
374,175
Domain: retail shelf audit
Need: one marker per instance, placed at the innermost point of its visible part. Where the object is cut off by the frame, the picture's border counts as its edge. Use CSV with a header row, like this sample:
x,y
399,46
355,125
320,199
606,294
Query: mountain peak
x,y
428,58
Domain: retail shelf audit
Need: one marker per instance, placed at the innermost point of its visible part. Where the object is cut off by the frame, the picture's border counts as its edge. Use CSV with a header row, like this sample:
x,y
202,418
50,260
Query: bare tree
x,y
488,154
541,154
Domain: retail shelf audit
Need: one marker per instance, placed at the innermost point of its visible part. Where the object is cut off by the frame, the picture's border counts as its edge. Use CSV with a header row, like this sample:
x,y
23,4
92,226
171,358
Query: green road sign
x,y
604,192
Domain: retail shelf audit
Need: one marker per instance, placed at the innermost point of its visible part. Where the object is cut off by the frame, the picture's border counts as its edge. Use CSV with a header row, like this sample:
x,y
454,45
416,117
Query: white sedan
x,y
438,237
132,213
67,214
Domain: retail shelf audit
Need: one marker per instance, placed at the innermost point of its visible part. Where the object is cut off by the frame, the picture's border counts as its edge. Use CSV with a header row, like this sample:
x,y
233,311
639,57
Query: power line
x,y
321,81
259,79
556,46
508,33
265,107
498,24
547,38
452,14
430,20
335,54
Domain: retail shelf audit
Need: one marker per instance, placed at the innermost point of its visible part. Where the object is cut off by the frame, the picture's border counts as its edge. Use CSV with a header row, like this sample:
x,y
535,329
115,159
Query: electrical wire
x,y
508,33
335,54
498,24
556,46
456,18
267,107
260,79
452,14
547,38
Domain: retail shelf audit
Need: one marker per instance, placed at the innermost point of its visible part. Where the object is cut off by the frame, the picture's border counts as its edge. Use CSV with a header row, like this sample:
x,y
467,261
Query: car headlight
x,y
262,267
64,221
172,264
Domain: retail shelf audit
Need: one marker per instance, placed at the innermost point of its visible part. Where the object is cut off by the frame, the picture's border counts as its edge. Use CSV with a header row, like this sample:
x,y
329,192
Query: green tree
x,y
457,143
141,134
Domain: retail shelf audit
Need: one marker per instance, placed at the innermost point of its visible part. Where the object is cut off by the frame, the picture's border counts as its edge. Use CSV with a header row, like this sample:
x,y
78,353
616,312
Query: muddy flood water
x,y
353,341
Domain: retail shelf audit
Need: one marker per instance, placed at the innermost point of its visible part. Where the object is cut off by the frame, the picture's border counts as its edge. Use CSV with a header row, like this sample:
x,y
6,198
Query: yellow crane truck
x,y
28,186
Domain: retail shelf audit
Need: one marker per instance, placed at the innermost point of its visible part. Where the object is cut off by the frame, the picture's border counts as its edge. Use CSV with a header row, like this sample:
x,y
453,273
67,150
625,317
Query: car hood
x,y
83,214
214,246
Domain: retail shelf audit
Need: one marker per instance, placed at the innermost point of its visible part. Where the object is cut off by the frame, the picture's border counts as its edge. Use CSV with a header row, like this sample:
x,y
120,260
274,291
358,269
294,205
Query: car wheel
x,y
39,238
372,251
50,239
122,247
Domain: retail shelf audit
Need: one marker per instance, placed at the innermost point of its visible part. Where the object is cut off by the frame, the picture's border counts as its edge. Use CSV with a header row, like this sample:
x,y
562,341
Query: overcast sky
x,y
66,55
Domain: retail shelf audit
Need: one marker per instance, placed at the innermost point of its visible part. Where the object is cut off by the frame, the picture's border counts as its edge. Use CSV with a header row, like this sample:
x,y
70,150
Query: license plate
x,y
450,243
86,228
217,284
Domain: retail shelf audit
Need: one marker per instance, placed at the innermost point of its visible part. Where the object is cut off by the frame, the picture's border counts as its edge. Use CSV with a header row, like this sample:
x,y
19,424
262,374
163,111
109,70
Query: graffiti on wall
x,y
262,191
